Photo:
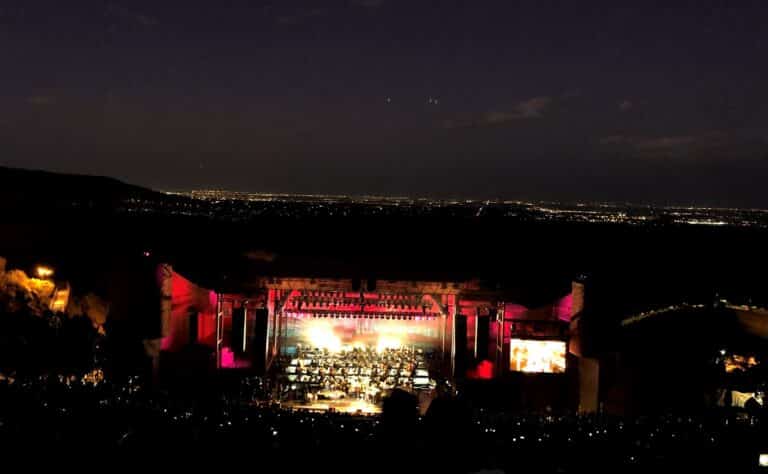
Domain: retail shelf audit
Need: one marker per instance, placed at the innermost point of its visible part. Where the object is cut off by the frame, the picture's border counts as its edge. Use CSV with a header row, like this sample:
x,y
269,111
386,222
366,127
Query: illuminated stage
x,y
339,406
355,379
345,345
347,351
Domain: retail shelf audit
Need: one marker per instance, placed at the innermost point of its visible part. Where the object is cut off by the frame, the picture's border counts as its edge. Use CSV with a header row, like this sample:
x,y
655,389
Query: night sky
x,y
571,100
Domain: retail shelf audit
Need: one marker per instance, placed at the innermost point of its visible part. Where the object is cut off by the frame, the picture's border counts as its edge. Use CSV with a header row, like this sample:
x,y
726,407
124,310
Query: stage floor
x,y
339,406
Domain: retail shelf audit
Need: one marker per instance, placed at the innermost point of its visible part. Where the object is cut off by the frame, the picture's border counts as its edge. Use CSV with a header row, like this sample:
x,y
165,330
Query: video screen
x,y
537,356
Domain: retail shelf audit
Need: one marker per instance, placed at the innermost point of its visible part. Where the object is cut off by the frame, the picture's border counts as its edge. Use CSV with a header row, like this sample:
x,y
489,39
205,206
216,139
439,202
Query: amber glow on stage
x,y
44,272
536,356
336,335
321,335
388,342
339,406
739,363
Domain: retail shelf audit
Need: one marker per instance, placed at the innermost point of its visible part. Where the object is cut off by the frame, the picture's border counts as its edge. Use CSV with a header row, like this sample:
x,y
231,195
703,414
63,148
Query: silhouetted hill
x,y
82,224
24,189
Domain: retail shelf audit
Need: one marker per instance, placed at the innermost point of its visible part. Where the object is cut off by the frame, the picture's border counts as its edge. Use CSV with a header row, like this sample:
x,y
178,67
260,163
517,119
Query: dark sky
x,y
576,100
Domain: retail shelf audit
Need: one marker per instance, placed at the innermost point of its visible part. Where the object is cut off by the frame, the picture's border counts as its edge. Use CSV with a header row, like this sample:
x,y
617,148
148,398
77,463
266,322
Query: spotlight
x,y
44,272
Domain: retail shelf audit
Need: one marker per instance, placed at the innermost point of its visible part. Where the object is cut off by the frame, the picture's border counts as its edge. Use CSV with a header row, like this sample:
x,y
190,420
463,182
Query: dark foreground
x,y
126,423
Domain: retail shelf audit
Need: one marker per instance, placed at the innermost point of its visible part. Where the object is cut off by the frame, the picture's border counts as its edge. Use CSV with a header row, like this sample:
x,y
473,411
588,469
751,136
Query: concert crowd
x,y
88,415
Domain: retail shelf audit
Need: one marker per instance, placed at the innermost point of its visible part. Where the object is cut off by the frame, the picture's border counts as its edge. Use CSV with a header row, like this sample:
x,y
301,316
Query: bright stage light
x,y
739,363
388,342
321,335
44,272
362,333
763,460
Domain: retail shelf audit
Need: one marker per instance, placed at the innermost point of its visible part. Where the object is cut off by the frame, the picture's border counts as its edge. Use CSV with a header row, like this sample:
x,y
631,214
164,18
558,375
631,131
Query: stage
x,y
351,379
349,406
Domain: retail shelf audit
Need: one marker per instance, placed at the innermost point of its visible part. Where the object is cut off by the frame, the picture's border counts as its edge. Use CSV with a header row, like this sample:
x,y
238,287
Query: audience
x,y
88,414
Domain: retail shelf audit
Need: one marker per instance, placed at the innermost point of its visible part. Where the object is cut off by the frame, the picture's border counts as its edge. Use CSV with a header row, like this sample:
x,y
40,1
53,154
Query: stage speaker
x,y
194,316
259,341
370,285
460,345
238,330
481,337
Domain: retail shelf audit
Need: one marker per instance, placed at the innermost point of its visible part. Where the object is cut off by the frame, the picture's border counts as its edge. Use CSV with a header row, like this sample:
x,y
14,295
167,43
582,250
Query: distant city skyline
x,y
247,205
458,199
